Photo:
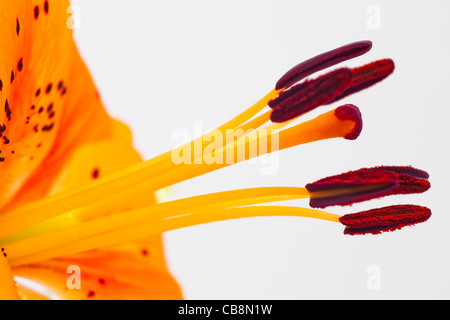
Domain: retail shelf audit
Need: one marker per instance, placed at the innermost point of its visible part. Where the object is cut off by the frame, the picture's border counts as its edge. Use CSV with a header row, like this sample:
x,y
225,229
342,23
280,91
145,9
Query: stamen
x,y
367,76
140,231
309,95
366,184
391,218
323,61
86,227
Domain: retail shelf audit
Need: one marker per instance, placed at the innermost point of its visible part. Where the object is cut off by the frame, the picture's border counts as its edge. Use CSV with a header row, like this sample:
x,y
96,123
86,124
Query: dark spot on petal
x,y
101,281
91,294
95,173
36,12
49,88
12,76
20,65
48,127
38,92
60,85
7,110
17,26
46,6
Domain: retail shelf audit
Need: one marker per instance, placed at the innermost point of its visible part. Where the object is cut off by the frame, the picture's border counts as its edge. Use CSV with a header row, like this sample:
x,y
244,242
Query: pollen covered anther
x,y
309,95
410,180
365,184
380,220
323,61
366,76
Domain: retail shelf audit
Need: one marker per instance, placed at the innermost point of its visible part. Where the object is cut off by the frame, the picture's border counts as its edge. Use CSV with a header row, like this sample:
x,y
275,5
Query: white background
x,y
162,65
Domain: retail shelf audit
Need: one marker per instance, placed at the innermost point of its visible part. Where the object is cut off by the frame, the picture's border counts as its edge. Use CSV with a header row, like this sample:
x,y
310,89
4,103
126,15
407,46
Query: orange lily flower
x,y
59,137
75,195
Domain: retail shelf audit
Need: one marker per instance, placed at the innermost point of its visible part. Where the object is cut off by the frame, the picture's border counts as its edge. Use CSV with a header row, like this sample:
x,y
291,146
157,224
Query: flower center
x,y
98,215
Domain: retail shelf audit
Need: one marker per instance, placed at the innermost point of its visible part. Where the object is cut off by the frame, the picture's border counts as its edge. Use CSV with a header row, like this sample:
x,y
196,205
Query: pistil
x,y
156,176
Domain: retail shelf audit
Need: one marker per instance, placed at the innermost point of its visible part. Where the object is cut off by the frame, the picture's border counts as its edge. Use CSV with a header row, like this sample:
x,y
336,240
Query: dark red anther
x,y
380,220
368,75
351,187
323,61
309,95
410,171
366,184
411,180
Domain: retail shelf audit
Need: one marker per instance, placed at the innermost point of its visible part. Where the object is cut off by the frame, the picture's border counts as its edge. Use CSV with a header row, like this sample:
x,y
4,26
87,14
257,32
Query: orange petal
x,y
8,289
96,159
133,271
51,103
56,135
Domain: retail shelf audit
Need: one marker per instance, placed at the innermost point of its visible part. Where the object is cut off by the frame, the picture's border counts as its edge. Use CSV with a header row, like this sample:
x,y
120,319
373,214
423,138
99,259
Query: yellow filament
x,y
233,123
325,126
255,123
250,112
157,227
209,202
